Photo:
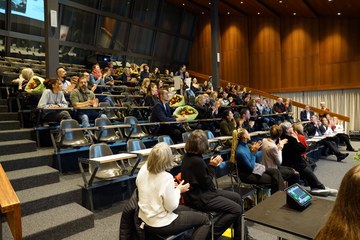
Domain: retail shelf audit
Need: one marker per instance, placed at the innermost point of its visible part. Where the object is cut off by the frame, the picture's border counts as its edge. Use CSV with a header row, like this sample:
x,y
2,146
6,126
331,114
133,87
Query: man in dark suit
x,y
306,114
161,112
315,128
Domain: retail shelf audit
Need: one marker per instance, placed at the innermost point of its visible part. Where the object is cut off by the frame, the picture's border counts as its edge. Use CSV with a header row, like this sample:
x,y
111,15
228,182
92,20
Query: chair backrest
x,y
110,113
106,135
185,136
106,170
137,131
135,144
210,135
166,138
72,138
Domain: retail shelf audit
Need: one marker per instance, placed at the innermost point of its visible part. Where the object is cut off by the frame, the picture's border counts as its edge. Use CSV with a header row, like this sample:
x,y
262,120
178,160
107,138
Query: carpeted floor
x,y
107,220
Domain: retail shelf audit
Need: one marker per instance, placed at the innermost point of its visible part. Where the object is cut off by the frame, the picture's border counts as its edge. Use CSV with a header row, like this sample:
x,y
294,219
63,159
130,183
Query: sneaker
x,y
332,192
320,192
341,157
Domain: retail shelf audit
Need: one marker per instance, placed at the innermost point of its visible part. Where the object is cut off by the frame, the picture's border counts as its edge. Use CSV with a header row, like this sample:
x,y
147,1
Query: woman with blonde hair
x,y
248,157
159,198
344,220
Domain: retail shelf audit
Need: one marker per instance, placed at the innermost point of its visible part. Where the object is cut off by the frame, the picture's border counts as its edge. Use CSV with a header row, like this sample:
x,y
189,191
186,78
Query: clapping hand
x,y
216,161
183,187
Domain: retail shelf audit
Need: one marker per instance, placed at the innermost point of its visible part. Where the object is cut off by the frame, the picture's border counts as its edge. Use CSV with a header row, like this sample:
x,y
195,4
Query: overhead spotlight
x,y
258,13
241,2
228,13
339,13
183,4
280,1
202,13
209,3
294,13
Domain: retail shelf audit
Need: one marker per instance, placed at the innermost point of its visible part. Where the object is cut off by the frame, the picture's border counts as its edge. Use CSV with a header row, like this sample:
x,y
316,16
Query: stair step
x,y
9,125
17,146
56,223
9,116
49,196
3,101
33,177
3,108
18,134
41,157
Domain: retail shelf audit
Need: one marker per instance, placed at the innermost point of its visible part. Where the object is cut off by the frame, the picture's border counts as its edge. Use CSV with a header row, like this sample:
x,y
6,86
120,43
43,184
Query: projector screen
x,y
28,8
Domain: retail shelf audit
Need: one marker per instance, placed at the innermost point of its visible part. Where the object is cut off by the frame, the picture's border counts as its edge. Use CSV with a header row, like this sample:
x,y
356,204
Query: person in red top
x,y
300,131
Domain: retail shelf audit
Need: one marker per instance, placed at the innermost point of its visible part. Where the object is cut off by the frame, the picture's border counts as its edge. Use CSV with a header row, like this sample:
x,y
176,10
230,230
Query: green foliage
x,y
357,156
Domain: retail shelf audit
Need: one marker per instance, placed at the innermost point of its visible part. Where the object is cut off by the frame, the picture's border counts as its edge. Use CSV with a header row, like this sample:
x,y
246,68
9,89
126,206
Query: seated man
x,y
306,114
315,128
82,97
161,112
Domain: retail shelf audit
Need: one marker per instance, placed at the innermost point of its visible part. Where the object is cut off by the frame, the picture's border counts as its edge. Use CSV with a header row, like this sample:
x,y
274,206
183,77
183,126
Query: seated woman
x,y
203,194
248,159
195,86
292,157
53,98
144,86
151,97
344,220
272,155
227,124
159,198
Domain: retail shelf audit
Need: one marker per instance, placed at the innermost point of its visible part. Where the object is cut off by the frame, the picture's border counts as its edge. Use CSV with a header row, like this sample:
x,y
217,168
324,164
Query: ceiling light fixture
x,y
280,1
294,13
228,13
258,13
183,4
339,13
241,2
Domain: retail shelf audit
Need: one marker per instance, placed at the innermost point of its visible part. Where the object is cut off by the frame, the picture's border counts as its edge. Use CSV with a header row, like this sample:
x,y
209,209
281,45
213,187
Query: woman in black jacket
x,y
203,194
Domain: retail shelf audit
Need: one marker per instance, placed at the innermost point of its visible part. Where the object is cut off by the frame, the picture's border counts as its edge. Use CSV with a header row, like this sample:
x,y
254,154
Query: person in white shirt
x,y
159,198
272,155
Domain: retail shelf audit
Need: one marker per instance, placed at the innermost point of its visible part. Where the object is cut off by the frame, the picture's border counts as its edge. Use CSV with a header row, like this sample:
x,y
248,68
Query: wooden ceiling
x,y
271,8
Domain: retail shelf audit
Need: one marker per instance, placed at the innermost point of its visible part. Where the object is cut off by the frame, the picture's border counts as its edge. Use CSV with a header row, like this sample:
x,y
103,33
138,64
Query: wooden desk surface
x,y
274,213
112,158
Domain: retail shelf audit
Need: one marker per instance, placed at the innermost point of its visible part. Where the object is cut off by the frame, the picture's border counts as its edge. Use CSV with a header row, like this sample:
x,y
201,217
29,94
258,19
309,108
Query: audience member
x,y
272,155
245,121
159,199
24,77
248,160
344,219
144,86
292,157
161,112
61,73
82,97
306,113
151,97
315,128
227,124
340,137
144,72
53,98
203,194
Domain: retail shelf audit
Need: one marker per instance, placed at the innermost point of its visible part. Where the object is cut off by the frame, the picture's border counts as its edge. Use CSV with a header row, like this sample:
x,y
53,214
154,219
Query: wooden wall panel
x,y
299,53
339,46
200,54
234,60
303,54
264,53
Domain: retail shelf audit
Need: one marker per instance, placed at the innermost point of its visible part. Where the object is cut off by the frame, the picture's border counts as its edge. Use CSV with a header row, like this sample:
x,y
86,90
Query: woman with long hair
x,y
53,98
159,198
151,97
344,220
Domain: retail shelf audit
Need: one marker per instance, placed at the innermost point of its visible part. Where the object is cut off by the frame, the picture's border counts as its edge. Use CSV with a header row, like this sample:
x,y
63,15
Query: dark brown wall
x,y
283,54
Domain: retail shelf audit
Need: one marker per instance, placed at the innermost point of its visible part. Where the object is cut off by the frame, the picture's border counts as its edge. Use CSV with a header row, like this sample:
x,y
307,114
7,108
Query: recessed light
x,y
280,1
241,2
183,4
258,13
329,0
294,13
209,3
202,13
339,13
228,13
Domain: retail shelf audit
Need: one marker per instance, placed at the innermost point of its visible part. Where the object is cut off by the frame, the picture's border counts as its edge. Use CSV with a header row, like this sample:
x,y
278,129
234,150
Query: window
x,y
73,55
79,25
140,40
170,17
23,48
89,3
121,7
112,34
145,11
28,17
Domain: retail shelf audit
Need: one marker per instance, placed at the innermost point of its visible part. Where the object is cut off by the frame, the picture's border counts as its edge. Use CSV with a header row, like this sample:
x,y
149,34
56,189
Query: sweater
x,y
49,98
246,159
158,197
271,155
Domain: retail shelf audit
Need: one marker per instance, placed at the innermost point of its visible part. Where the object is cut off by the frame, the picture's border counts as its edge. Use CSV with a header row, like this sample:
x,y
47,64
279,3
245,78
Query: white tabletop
x,y
142,152
113,158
